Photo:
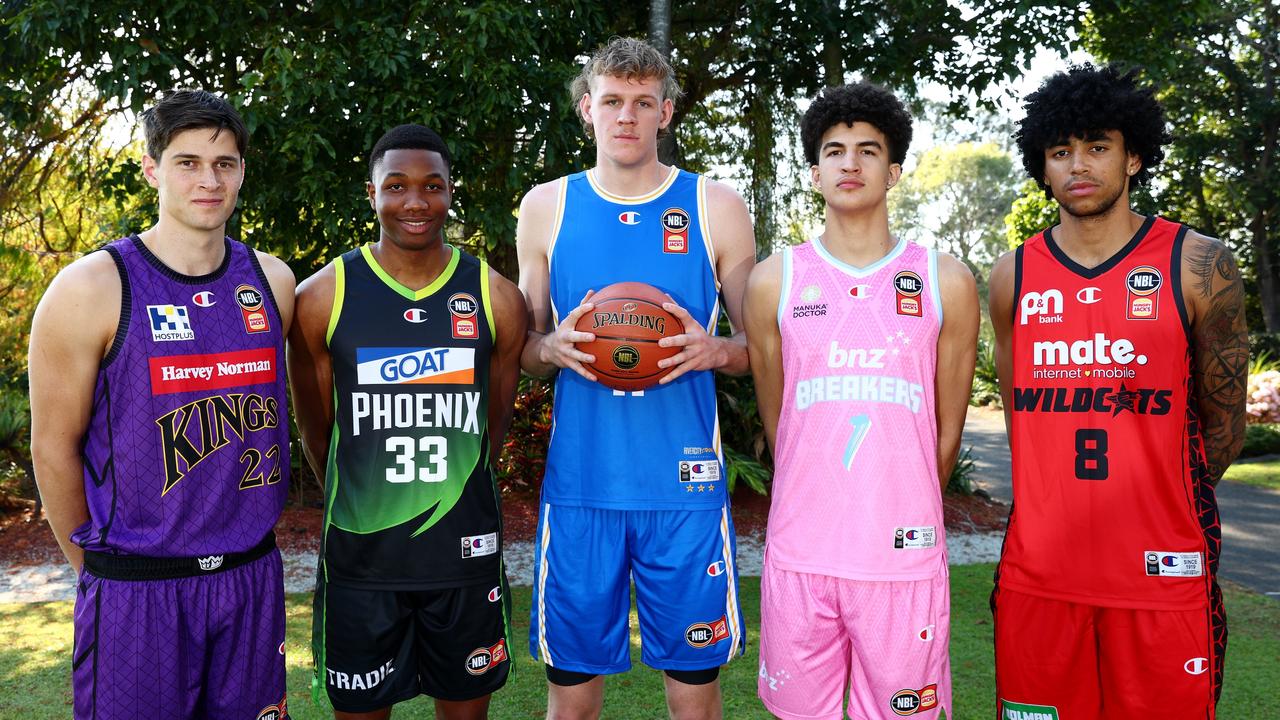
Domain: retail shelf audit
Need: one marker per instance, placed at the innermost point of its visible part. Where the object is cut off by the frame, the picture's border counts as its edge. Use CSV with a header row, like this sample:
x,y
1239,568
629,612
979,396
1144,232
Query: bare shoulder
x,y
81,307
504,293
1205,260
278,273
314,301
540,203
767,274
722,197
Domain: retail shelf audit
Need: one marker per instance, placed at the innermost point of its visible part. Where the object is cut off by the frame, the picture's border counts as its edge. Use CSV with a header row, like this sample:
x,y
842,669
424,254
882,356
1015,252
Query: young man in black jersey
x,y
403,363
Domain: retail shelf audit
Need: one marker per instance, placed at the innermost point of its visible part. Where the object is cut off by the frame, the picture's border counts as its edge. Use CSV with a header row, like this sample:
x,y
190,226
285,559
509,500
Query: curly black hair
x,y
859,102
1084,102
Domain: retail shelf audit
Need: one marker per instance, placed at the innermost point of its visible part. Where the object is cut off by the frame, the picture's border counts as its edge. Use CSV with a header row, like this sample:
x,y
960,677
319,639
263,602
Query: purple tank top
x,y
187,450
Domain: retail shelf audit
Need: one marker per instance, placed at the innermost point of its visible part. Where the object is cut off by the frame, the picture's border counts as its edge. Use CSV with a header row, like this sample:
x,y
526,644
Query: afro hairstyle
x,y
1084,102
408,137
859,102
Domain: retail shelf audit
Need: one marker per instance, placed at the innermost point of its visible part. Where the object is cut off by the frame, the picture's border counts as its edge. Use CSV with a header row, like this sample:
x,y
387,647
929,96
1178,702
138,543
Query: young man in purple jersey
x,y
161,442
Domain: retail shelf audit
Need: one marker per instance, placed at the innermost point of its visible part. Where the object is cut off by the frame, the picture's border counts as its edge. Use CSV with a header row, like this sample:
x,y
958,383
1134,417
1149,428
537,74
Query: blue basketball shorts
x,y
686,582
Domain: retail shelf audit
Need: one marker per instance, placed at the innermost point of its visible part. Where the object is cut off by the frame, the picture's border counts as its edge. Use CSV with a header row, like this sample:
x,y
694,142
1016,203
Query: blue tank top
x,y
659,448
187,449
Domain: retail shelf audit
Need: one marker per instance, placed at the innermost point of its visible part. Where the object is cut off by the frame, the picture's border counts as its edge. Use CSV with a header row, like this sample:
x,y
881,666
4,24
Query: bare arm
x,y
734,245
283,286
764,341
1000,305
311,367
1220,345
957,353
511,321
549,346
72,330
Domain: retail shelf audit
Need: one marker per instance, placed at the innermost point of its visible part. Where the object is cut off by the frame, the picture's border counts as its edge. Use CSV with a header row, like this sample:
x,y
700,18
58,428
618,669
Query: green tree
x,y
1216,64
1031,212
956,199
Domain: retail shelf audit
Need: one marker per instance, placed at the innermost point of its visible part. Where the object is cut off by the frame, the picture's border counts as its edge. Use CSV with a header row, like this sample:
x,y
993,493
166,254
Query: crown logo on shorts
x,y
213,562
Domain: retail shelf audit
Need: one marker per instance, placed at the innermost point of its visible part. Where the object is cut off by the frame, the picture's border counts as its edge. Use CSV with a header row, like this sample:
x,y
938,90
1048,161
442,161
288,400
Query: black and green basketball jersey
x,y
410,501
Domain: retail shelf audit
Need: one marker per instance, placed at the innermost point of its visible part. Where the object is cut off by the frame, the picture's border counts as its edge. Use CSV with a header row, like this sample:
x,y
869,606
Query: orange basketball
x,y
628,321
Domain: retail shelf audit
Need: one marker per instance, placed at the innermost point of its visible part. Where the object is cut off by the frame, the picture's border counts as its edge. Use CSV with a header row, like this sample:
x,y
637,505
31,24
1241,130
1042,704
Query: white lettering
x,y
1097,350
383,411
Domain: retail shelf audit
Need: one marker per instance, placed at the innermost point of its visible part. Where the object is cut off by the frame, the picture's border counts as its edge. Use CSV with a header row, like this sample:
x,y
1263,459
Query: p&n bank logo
x,y
1045,306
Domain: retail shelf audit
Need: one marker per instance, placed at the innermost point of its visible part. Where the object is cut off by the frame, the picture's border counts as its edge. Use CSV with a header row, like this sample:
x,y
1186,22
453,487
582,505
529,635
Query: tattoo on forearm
x,y
1221,353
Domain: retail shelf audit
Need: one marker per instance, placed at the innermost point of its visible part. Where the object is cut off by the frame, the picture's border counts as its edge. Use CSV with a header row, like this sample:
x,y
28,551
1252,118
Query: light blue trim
x,y
857,271
934,284
785,295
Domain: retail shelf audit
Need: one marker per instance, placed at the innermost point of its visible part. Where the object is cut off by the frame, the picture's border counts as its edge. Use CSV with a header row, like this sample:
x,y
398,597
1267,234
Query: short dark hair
x,y
1086,101
858,102
409,137
186,109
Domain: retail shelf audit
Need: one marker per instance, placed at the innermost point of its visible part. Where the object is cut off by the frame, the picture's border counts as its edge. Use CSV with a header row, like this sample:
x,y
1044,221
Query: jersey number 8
x,y
406,470
1091,454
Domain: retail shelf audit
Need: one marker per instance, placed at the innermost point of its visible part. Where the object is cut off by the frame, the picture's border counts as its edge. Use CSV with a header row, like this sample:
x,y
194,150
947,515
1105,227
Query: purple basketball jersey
x,y
187,451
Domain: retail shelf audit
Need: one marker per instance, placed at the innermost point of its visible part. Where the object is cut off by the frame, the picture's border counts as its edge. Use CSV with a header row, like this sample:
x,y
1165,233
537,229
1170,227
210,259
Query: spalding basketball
x,y
628,321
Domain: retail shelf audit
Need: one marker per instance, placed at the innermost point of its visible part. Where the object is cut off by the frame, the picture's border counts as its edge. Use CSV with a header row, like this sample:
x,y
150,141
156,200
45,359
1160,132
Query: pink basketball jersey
x,y
855,492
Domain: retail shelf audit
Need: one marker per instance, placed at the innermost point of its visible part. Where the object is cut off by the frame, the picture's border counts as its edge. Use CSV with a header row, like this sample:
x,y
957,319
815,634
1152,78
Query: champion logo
x,y
859,291
415,315
1196,666
204,299
1089,295
716,568
495,594
926,634
630,217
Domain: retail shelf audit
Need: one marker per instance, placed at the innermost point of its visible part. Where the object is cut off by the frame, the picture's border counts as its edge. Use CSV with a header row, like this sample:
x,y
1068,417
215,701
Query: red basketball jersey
x,y
1112,504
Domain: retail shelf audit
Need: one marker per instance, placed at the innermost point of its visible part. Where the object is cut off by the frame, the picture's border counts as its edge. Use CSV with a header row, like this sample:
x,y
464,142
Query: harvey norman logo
x,y
194,373
420,366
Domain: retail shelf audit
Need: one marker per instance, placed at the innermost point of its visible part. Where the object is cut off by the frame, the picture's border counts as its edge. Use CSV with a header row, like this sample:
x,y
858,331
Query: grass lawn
x,y
1265,474
35,650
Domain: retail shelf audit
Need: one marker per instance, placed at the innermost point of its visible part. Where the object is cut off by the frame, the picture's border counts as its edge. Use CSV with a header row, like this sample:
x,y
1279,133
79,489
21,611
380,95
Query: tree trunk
x,y
1266,266
763,167
832,57
660,39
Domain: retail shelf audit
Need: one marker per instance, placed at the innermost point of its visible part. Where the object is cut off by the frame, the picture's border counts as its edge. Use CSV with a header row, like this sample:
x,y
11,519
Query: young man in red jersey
x,y
1122,353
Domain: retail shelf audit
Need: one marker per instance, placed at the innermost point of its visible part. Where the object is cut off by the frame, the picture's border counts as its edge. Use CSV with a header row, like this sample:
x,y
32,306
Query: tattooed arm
x,y
1220,345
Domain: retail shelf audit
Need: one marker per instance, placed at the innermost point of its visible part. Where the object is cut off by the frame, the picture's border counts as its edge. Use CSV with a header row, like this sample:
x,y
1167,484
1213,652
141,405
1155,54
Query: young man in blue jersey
x,y
161,443
634,487
404,363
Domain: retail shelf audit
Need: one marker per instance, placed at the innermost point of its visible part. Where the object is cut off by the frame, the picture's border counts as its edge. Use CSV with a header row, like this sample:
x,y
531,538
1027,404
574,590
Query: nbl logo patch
x,y
462,309
908,287
909,702
249,299
1143,284
169,323
481,659
700,635
675,231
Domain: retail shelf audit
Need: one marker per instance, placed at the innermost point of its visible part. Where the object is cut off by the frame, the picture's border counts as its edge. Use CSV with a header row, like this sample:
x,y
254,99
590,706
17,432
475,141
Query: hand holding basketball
x,y
628,325
558,347
698,349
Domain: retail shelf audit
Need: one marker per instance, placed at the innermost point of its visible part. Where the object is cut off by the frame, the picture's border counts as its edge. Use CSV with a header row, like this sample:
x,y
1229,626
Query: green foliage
x,y
1264,345
524,454
955,200
1030,213
961,480
1263,362
1216,67
1261,439
986,381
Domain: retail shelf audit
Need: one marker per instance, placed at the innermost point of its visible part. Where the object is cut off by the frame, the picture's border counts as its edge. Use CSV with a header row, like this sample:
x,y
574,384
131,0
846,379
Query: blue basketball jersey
x,y
658,448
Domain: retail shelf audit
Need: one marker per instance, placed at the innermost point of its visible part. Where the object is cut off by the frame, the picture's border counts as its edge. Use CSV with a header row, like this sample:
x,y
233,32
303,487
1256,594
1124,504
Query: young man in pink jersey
x,y
863,384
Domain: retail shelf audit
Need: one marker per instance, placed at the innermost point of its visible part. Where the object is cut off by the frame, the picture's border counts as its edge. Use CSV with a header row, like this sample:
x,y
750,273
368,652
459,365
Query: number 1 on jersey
x,y
1091,454
407,470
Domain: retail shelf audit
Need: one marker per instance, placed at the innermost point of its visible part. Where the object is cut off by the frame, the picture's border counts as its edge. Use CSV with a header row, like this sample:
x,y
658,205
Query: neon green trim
x,y
401,289
339,294
484,297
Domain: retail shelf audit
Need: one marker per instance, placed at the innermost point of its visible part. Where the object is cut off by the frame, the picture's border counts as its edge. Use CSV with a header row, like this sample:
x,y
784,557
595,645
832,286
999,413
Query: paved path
x,y
1250,515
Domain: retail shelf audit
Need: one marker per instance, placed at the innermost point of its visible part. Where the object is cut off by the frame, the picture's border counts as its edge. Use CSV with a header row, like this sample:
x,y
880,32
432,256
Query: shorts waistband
x,y
133,567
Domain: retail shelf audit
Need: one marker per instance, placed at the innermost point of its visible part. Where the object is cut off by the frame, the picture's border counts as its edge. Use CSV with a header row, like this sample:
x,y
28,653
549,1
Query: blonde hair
x,y
627,58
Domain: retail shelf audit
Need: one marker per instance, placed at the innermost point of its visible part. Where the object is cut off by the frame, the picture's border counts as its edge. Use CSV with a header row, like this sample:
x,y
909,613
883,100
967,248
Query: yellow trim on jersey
x,y
561,193
401,289
484,298
339,293
638,199
732,611
704,222
544,652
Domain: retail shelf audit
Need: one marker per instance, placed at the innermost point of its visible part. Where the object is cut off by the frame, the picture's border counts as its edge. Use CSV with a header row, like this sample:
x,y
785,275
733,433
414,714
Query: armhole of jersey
x,y
262,278
935,284
126,304
339,292
704,224
1017,282
785,292
1175,274
484,298
562,194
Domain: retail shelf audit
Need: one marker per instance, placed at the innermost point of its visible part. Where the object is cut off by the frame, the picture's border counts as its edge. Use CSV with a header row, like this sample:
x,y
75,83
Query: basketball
x,y
628,321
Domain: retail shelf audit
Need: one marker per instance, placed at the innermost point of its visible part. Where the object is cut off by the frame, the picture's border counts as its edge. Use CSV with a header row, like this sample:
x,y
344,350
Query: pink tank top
x,y
855,491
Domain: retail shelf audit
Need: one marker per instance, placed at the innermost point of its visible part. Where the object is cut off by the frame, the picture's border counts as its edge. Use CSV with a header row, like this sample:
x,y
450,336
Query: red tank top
x,y
1111,503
